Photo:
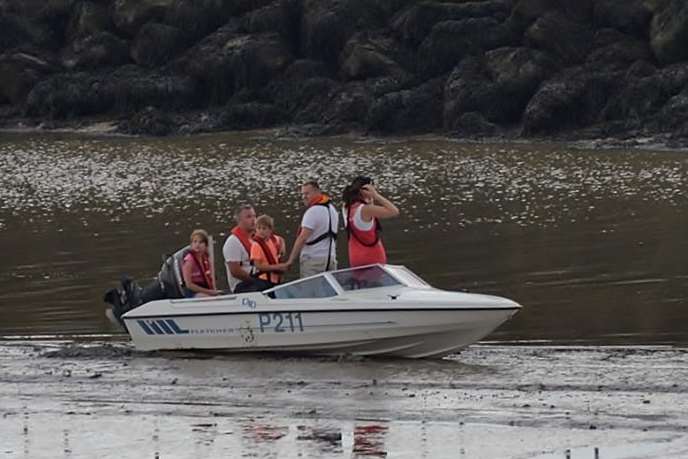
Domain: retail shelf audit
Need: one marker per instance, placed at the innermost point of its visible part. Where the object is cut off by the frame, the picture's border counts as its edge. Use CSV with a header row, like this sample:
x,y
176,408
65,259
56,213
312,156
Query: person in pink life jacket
x,y
196,269
364,207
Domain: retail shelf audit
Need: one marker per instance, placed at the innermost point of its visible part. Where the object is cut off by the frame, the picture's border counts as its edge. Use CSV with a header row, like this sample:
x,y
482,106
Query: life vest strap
x,y
329,233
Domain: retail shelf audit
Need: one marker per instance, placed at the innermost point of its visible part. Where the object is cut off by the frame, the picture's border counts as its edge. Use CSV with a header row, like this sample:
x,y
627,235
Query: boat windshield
x,y
364,278
312,287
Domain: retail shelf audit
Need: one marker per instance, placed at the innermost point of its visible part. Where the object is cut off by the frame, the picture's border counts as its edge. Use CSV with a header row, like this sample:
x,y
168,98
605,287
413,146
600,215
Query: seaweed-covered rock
x,y
156,44
227,61
411,110
574,99
628,16
98,50
498,86
369,56
130,15
124,90
89,18
450,41
669,32
251,115
19,72
616,50
473,124
149,121
415,23
641,98
327,25
555,33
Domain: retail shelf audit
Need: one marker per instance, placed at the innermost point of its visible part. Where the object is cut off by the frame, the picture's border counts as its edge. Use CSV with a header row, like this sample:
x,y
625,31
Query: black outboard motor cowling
x,y
168,284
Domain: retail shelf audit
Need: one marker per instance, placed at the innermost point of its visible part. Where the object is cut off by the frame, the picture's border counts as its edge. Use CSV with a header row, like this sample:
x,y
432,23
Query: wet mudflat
x,y
105,400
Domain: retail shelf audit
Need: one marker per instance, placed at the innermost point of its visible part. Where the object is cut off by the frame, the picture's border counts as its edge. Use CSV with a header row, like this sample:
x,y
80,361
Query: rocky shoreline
x,y
534,69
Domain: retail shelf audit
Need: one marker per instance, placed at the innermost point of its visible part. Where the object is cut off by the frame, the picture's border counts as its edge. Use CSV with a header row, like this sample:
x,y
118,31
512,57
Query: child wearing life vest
x,y
196,269
266,250
364,206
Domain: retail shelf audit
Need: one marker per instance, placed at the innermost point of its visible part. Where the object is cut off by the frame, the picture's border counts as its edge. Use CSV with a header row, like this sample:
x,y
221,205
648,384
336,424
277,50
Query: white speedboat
x,y
376,310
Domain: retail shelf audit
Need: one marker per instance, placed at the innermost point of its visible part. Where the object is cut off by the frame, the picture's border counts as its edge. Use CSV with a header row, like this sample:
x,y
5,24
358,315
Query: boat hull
x,y
411,333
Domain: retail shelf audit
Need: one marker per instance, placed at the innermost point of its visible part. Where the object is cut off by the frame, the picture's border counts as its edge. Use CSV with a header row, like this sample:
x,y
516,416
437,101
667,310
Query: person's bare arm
x,y
266,267
380,208
236,271
299,243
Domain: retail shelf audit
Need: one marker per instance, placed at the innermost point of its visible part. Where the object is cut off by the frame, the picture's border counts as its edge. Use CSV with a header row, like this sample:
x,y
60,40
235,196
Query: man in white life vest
x,y
316,243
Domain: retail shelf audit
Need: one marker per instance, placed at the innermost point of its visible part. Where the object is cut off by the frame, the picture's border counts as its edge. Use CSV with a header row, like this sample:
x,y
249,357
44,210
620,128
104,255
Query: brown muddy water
x,y
592,242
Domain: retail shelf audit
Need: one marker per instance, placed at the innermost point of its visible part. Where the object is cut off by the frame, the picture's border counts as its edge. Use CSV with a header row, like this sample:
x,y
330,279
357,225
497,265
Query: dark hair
x,y
313,183
352,192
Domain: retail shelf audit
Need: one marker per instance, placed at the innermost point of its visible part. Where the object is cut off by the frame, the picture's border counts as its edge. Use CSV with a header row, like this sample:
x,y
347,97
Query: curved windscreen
x,y
315,287
364,278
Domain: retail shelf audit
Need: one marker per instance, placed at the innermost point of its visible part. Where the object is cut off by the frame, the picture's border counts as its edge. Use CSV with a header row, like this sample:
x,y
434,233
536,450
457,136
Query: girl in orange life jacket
x,y
196,269
363,208
266,250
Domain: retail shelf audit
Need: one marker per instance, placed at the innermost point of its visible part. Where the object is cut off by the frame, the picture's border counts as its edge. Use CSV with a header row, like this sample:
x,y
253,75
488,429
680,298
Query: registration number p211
x,y
280,322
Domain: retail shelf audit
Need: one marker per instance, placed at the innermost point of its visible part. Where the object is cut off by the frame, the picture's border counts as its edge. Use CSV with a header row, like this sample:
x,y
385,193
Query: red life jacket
x,y
365,246
204,267
244,238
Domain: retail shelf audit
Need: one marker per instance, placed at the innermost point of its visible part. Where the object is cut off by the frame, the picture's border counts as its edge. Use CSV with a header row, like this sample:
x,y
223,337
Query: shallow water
x,y
592,242
491,402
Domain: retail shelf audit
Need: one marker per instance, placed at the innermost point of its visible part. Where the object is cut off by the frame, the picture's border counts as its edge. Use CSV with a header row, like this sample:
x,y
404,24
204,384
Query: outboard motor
x,y
168,284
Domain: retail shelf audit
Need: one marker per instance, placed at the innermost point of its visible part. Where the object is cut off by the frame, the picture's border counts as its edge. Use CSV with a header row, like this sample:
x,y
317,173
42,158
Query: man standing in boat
x,y
237,251
316,241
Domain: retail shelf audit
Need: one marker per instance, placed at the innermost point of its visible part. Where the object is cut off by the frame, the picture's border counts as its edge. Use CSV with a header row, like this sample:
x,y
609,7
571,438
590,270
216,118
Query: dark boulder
x,y
130,15
150,121
102,49
616,50
23,32
281,16
498,86
674,114
413,110
19,72
89,18
641,98
127,89
473,124
413,24
525,12
450,41
326,26
347,107
571,100
567,40
303,69
227,61
369,56
251,115
156,44
628,16
669,32
198,18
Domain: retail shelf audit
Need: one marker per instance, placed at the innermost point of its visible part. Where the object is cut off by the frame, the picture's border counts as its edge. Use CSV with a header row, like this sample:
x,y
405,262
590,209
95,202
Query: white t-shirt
x,y
234,250
361,224
317,219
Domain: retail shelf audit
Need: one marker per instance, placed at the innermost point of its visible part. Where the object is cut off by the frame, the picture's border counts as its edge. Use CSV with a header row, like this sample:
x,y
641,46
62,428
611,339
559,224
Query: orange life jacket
x,y
269,256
